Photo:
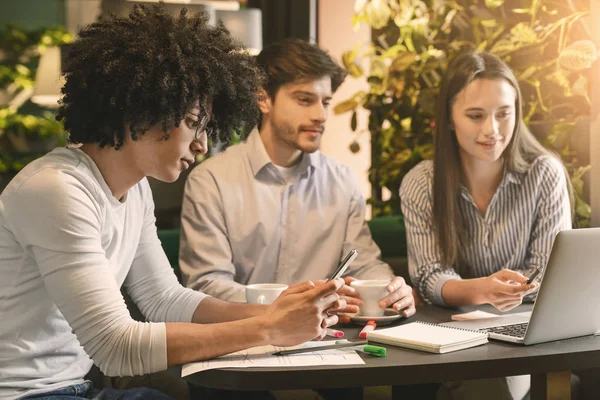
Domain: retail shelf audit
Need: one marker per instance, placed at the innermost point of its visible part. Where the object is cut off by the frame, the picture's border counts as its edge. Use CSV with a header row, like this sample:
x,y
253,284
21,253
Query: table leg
x,y
551,386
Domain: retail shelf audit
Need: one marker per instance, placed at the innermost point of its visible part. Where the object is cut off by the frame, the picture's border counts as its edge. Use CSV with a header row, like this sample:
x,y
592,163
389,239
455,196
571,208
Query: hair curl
x,y
152,67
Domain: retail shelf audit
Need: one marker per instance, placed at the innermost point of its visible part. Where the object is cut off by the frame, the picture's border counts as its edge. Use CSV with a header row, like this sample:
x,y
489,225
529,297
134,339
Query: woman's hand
x,y
504,289
400,297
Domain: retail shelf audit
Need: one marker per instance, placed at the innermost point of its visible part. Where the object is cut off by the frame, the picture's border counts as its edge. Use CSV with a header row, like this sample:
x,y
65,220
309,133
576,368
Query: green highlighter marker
x,y
375,350
369,349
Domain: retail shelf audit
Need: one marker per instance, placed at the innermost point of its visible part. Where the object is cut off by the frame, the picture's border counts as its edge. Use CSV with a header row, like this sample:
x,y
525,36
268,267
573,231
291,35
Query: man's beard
x,y
290,136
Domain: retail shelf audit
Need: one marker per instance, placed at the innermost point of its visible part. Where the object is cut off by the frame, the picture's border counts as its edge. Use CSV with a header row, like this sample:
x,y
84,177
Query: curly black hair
x,y
150,68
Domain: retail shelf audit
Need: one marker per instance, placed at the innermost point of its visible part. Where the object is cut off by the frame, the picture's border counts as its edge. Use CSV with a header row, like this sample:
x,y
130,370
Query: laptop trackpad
x,y
506,319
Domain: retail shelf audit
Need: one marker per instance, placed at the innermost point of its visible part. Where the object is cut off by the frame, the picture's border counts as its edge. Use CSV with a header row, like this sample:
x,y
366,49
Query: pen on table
x,y
369,349
371,325
319,348
334,333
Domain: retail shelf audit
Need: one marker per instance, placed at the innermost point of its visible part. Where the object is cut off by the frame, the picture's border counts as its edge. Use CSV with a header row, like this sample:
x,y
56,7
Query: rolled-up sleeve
x,y
425,269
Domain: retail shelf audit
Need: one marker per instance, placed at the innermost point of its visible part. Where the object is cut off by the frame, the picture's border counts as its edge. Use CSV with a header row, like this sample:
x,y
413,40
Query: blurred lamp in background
x,y
245,25
48,80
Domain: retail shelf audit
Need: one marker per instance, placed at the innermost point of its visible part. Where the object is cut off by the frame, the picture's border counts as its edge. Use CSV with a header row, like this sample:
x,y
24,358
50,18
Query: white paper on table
x,y
496,320
261,357
473,315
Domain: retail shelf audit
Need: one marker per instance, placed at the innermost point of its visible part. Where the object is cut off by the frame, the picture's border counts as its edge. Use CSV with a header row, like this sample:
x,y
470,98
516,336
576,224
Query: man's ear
x,y
264,101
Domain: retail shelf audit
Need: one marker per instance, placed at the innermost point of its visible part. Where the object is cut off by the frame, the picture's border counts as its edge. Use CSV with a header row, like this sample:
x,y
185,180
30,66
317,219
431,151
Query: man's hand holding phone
x,y
346,293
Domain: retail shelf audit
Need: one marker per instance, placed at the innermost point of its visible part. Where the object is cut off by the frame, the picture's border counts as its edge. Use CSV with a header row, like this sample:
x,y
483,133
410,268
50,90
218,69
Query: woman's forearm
x,y
462,292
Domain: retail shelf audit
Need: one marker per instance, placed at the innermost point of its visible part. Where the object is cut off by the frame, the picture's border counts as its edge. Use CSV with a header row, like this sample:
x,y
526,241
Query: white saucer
x,y
390,315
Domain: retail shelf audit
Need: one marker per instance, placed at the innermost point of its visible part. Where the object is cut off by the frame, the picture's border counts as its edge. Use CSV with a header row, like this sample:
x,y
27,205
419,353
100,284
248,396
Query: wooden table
x,y
548,363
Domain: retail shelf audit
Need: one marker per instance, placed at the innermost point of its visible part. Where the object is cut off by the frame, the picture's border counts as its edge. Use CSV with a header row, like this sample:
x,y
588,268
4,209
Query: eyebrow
x,y
481,109
309,94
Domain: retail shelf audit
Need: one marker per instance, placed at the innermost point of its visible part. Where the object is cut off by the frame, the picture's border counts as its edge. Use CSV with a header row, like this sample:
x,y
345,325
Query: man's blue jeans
x,y
86,391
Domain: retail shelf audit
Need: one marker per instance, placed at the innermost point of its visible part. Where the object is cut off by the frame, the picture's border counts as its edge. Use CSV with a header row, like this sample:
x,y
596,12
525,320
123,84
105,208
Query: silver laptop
x,y
568,302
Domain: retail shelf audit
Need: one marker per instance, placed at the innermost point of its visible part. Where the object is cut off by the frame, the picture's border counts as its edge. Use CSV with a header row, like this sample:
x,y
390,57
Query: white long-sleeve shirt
x,y
244,221
516,232
66,248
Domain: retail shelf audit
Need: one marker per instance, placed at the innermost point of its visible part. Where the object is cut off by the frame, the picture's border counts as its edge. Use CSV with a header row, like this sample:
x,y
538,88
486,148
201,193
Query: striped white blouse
x,y
517,232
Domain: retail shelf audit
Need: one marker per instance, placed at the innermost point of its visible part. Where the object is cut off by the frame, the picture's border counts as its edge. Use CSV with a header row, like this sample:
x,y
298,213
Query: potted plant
x,y
546,44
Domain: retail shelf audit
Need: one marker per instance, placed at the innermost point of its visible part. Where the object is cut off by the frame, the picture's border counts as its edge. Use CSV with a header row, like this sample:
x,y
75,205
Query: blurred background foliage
x,y
545,42
27,130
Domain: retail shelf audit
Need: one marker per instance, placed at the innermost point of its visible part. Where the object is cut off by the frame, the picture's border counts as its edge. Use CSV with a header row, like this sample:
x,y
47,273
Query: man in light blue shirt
x,y
273,208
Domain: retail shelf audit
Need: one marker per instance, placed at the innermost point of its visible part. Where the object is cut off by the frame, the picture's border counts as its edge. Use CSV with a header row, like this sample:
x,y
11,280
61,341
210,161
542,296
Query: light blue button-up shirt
x,y
242,223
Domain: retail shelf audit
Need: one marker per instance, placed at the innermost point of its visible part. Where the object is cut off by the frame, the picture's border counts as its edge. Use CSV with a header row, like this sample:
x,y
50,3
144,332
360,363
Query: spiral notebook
x,y
429,337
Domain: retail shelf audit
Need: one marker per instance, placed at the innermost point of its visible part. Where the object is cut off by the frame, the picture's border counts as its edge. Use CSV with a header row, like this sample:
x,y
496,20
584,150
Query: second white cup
x,y
264,293
371,291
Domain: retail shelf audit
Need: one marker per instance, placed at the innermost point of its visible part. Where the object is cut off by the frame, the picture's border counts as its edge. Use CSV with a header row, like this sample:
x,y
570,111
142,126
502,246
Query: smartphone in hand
x,y
344,264
533,276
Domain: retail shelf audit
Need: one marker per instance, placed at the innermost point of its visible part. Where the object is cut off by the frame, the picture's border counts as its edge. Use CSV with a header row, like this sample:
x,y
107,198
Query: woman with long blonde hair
x,y
481,217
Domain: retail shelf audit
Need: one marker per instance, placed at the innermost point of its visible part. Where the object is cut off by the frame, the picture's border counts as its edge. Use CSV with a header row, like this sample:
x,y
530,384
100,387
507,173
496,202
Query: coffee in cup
x,y
264,293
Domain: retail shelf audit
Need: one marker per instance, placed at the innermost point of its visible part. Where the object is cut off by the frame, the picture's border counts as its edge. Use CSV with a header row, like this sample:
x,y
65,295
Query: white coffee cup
x,y
371,291
264,293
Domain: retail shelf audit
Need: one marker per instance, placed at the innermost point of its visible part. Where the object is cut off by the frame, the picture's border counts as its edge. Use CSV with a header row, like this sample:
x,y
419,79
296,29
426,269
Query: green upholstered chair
x,y
170,243
388,232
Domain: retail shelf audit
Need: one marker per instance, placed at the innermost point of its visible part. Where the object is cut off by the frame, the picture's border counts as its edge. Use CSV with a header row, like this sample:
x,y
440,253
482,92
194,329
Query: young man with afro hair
x,y
141,95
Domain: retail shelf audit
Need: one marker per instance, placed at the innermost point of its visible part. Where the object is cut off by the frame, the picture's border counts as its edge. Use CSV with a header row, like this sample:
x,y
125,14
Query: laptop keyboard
x,y
514,330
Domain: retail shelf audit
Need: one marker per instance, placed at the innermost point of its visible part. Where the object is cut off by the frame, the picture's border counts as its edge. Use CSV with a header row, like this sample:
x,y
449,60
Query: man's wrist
x,y
264,328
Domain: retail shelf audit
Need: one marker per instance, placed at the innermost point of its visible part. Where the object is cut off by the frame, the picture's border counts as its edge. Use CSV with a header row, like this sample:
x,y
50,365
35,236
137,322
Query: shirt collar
x,y
510,177
257,154
259,158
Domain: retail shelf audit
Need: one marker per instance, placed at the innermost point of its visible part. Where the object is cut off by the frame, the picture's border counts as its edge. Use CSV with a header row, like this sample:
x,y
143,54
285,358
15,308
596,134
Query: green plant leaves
x,y
350,104
352,63
378,13
503,46
425,151
493,4
523,34
583,211
409,54
578,56
22,130
402,61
